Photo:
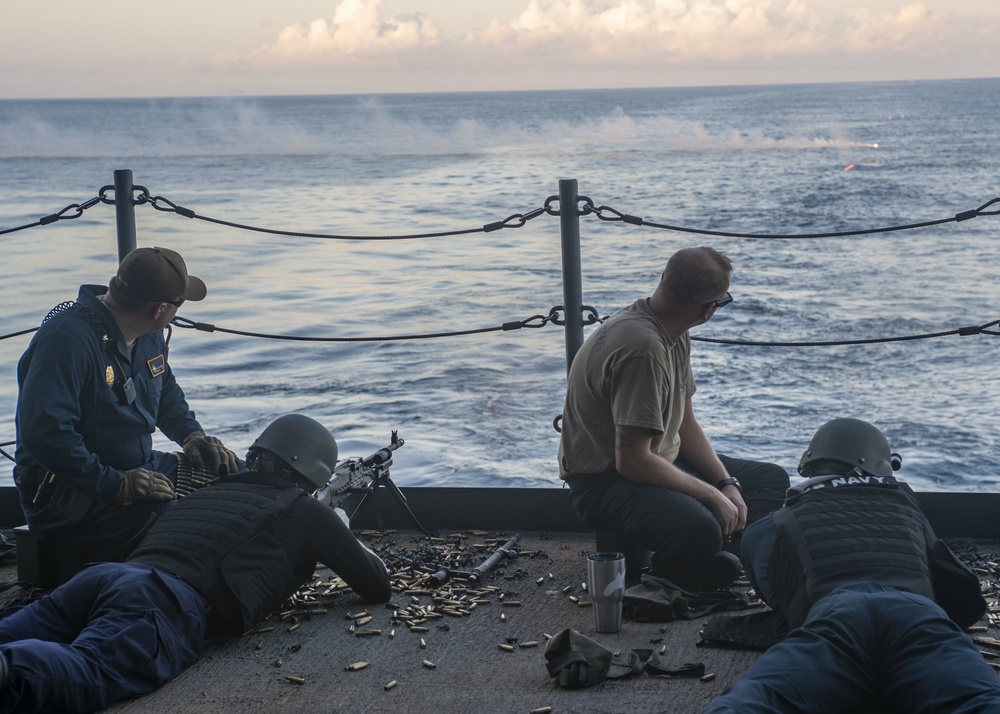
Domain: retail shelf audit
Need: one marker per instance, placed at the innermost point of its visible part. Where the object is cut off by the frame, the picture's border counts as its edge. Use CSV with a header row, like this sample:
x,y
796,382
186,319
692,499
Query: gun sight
x,y
383,455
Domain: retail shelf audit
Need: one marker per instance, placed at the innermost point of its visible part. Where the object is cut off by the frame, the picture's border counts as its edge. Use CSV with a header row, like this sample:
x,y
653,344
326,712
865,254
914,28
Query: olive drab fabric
x,y
655,599
577,661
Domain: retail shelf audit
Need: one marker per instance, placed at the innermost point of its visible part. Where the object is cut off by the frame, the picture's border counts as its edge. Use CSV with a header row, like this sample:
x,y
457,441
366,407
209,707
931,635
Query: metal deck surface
x,y
300,663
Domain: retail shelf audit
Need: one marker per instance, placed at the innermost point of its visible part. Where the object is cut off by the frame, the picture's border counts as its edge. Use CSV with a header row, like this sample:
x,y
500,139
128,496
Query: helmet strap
x,y
266,462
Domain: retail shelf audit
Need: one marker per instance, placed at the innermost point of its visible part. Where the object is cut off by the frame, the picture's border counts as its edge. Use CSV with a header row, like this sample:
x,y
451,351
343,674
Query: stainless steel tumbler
x,y
606,582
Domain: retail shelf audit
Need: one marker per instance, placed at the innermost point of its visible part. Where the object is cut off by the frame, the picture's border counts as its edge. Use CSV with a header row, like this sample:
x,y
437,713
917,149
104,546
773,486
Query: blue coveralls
x,y
116,630
862,645
71,422
213,565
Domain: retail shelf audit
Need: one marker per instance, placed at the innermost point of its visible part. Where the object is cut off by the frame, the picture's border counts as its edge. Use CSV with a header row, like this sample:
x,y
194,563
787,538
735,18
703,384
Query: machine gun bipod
x,y
365,476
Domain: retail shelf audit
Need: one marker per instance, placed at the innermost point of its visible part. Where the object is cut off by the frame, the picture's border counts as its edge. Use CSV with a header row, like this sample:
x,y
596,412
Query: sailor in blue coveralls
x,y
94,384
876,602
213,565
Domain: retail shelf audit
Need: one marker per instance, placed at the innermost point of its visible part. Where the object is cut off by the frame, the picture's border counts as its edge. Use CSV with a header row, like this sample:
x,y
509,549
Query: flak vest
x,y
830,537
223,541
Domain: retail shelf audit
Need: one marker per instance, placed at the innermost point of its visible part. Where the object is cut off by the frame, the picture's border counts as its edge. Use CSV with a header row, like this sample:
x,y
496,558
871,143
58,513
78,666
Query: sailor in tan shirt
x,y
637,461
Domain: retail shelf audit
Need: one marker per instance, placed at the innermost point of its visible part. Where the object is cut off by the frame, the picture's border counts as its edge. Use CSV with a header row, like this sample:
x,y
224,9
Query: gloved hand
x,y
144,485
210,453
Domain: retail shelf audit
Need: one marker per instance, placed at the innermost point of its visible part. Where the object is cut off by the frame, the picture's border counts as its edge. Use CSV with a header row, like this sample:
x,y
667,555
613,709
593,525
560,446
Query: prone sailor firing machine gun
x,y
364,476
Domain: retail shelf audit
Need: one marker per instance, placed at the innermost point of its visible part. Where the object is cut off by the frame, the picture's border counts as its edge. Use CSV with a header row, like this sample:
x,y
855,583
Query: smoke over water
x,y
200,128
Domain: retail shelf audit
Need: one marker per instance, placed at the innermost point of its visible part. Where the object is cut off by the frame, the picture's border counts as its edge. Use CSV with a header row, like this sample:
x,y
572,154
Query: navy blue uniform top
x,y
70,419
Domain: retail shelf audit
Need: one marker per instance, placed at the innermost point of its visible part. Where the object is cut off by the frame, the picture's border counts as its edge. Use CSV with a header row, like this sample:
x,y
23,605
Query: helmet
x,y
850,443
304,445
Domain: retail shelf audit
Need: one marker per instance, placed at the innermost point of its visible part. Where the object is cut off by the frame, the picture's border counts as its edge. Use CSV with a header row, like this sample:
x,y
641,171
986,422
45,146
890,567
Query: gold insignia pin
x,y
109,376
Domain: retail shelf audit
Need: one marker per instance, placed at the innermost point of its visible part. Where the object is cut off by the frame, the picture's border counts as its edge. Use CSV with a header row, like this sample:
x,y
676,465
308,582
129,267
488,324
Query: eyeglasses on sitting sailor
x,y
721,302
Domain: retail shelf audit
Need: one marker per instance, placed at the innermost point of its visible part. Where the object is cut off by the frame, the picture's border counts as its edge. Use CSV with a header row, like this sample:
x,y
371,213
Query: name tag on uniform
x,y
157,365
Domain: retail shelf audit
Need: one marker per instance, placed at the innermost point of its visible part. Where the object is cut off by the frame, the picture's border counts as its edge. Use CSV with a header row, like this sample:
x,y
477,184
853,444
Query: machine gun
x,y
364,476
507,550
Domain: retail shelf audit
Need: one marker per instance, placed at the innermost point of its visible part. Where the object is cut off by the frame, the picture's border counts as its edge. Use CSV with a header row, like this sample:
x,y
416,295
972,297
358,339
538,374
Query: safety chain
x,y
516,220
63,215
589,316
534,322
160,203
606,213
961,332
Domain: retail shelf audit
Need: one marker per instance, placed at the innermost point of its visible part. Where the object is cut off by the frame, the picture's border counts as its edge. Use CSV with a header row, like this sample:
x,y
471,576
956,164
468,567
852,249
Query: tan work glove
x,y
209,453
144,485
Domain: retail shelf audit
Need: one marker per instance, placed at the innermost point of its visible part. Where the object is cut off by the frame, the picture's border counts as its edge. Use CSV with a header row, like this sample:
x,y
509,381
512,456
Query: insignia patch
x,y
157,365
109,375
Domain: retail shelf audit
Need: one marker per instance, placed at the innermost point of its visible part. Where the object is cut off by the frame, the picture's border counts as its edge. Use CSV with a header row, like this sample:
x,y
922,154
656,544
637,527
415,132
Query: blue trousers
x,y
108,527
755,551
115,630
868,645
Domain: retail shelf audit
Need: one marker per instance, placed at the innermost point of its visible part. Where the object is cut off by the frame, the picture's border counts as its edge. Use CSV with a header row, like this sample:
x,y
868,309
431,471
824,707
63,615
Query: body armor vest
x,y
223,541
831,537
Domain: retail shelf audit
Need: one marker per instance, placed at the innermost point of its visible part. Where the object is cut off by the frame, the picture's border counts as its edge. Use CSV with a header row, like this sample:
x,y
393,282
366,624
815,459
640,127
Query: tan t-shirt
x,y
628,373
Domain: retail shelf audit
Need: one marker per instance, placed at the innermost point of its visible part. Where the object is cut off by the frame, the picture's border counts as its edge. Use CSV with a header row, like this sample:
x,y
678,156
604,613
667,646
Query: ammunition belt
x,y
189,478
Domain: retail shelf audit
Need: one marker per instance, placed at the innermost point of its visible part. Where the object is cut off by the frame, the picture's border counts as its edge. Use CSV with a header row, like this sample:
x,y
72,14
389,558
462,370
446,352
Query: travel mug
x,y
606,582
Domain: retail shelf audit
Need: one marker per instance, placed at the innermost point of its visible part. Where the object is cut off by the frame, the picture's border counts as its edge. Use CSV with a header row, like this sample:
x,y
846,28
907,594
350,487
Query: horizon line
x,y
291,95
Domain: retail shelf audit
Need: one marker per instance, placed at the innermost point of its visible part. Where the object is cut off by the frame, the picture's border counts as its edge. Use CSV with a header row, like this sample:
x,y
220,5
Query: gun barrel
x,y
507,550
439,578
379,457
384,455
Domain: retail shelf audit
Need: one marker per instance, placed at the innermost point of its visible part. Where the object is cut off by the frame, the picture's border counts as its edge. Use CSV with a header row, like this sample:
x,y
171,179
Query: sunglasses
x,y
721,302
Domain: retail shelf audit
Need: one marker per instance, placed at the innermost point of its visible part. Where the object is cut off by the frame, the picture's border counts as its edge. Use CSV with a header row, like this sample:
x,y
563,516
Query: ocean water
x,y
477,410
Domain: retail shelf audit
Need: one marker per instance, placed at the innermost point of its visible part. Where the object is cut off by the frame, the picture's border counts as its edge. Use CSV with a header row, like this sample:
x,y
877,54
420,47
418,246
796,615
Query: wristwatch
x,y
729,482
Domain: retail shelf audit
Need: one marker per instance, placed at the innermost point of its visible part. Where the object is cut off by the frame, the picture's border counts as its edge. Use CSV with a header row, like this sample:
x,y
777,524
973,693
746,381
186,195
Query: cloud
x,y
700,30
602,34
356,36
910,27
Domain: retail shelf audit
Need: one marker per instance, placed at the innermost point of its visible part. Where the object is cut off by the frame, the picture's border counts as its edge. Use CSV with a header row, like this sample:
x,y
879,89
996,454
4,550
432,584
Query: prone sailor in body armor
x,y
212,566
874,601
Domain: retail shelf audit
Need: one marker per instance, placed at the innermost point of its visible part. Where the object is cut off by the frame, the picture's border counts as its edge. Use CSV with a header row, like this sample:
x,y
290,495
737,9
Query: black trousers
x,y
682,533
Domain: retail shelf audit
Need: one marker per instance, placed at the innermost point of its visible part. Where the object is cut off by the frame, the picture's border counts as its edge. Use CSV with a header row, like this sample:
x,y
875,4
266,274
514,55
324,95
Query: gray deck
x,y
471,672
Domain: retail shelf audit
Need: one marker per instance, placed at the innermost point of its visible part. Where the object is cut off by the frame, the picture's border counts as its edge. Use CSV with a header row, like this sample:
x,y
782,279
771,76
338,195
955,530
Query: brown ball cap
x,y
158,275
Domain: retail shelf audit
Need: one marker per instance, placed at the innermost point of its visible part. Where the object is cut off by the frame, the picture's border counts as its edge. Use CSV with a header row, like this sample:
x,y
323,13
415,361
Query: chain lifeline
x,y
606,213
590,317
961,332
160,203
517,220
74,210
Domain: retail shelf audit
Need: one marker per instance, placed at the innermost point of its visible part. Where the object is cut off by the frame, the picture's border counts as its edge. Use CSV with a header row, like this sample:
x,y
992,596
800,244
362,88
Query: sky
x,y
114,48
